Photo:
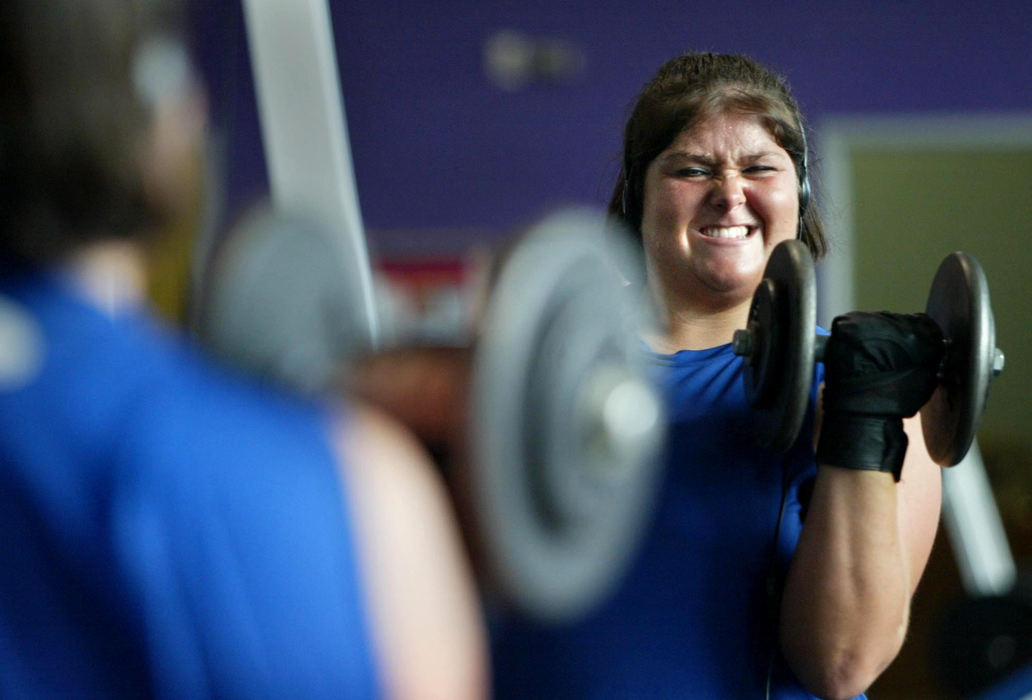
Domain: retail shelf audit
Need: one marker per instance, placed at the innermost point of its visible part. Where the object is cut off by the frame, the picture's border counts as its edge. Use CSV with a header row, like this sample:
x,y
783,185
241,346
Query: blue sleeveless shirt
x,y
695,616
166,529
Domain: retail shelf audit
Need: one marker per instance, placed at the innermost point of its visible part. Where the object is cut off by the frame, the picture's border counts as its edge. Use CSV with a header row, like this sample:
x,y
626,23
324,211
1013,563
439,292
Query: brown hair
x,y
694,86
72,127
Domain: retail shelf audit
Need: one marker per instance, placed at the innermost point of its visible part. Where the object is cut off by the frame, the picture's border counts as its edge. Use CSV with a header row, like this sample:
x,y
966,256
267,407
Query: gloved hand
x,y
879,368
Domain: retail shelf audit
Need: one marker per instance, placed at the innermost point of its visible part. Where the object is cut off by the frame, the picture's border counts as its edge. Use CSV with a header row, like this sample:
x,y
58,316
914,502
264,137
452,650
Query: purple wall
x,y
438,146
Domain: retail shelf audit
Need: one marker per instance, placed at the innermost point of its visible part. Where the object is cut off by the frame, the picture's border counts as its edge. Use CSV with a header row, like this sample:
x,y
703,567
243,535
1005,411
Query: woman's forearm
x,y
847,594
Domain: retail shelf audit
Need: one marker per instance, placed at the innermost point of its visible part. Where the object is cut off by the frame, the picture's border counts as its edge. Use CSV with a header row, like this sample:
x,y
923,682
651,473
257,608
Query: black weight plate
x,y
959,303
556,518
762,363
783,323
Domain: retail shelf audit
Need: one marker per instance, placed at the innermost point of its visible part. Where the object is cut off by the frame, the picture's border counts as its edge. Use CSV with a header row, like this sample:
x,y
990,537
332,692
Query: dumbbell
x,y
558,424
781,348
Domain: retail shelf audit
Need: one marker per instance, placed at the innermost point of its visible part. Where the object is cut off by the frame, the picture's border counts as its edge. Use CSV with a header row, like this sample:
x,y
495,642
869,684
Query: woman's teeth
x,y
725,231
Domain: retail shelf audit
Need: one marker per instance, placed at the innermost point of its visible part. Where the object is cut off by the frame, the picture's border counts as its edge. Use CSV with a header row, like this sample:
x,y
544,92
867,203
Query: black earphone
x,y
804,177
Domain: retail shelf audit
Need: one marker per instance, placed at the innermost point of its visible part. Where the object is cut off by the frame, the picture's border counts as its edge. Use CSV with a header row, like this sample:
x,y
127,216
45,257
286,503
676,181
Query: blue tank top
x,y
166,529
695,616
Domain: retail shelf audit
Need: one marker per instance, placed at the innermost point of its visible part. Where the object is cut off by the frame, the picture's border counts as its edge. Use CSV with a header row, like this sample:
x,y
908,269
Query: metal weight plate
x,y
959,303
278,302
778,345
566,427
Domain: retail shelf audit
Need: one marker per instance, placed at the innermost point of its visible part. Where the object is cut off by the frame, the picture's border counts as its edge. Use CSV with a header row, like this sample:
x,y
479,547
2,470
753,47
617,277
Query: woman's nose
x,y
728,192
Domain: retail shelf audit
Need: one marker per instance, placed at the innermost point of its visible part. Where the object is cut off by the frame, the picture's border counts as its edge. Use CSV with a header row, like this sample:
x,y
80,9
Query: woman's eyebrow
x,y
693,157
706,159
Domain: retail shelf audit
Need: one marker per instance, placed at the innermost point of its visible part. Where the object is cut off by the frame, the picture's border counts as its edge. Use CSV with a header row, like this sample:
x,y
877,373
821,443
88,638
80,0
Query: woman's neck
x,y
697,329
110,275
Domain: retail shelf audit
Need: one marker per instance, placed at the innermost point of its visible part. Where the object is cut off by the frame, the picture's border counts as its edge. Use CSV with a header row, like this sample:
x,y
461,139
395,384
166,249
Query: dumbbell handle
x,y
821,343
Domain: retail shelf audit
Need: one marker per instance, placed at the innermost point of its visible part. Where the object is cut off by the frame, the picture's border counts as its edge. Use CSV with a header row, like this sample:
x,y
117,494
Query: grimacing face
x,y
715,204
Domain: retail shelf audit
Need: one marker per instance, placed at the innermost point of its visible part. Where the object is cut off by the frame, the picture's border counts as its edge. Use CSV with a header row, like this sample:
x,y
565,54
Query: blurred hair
x,y
693,87
73,124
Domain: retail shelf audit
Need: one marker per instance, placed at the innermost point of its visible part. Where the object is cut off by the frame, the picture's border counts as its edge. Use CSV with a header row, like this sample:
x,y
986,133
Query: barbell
x,y
780,348
558,424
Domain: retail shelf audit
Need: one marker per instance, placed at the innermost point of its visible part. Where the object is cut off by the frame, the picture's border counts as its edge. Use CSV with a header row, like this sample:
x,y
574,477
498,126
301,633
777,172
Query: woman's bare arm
x,y
421,594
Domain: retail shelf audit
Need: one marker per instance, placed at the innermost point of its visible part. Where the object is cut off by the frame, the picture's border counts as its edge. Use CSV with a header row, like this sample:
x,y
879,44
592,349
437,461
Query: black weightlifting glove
x,y
878,369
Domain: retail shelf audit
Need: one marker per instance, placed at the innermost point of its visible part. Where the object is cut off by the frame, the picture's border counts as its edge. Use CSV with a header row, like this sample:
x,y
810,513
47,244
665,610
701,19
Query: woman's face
x,y
716,202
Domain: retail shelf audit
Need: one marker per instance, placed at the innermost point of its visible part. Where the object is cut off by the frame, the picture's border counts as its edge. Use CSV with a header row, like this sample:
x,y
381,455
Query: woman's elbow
x,y
843,673
840,680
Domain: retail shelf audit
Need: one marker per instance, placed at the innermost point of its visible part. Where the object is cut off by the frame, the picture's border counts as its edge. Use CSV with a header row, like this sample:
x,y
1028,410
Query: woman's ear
x,y
172,154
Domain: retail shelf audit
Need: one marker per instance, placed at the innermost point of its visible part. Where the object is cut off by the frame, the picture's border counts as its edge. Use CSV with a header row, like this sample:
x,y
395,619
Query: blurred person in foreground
x,y
168,527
